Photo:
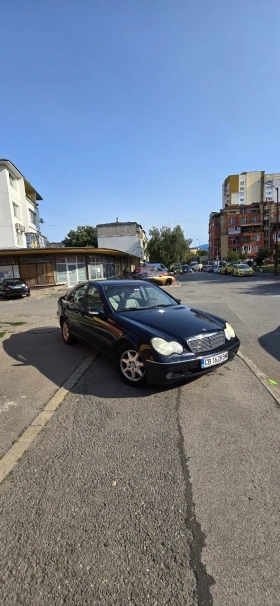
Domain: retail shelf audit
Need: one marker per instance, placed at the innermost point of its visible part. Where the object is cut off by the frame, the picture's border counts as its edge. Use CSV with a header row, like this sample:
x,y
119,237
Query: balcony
x,y
35,240
234,229
250,229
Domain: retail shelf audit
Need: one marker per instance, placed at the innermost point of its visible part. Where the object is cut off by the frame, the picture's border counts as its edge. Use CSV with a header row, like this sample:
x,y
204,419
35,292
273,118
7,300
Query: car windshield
x,y
13,281
244,266
125,297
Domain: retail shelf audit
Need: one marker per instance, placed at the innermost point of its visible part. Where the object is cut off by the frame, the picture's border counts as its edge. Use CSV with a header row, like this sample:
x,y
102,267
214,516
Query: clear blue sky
x,y
138,109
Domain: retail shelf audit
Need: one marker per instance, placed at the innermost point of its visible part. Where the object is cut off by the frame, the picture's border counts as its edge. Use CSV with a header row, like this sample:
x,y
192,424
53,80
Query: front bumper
x,y
165,373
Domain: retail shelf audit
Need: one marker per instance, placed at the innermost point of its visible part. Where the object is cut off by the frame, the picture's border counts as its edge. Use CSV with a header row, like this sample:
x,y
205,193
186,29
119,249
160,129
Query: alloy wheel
x,y
131,366
65,332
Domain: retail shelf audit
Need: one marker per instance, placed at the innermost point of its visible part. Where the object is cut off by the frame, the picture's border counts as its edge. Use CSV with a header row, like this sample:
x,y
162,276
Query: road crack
x,y
201,594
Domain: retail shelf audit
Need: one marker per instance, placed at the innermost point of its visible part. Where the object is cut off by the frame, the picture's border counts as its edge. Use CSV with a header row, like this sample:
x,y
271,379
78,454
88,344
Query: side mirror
x,y
95,311
178,300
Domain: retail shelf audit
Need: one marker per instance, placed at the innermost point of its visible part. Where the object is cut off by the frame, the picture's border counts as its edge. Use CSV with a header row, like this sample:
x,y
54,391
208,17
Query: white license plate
x,y
214,360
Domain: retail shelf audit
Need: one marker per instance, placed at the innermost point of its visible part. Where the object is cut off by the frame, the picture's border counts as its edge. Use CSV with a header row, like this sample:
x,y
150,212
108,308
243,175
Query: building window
x,y
266,222
266,243
16,210
232,221
242,182
241,188
256,248
266,231
13,181
243,219
32,216
267,212
241,199
268,199
256,238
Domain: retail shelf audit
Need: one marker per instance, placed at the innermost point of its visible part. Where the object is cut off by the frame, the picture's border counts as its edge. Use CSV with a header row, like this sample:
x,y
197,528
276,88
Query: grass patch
x,y
268,269
12,323
2,334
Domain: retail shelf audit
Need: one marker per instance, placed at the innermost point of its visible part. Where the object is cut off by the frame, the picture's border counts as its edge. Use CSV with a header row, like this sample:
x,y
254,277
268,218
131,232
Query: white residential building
x,y
19,211
127,237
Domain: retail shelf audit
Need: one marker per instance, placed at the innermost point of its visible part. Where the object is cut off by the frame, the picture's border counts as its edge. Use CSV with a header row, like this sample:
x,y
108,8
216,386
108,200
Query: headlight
x,y
166,348
229,332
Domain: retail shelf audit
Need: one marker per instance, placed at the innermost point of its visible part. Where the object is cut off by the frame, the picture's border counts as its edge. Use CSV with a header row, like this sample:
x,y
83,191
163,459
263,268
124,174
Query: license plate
x,y
214,360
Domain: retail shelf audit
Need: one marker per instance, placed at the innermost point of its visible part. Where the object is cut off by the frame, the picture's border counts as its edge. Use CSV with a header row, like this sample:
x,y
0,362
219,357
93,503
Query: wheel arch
x,y
130,340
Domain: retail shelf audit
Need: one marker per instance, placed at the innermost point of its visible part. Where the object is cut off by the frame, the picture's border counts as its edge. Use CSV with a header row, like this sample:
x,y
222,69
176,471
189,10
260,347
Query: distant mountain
x,y
204,246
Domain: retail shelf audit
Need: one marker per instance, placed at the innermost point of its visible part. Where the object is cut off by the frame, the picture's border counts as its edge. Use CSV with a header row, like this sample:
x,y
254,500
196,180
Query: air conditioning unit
x,y
19,227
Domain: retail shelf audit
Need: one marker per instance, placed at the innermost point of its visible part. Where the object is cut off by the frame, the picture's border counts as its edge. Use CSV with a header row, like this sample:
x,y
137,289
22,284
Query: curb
x,y
261,376
15,452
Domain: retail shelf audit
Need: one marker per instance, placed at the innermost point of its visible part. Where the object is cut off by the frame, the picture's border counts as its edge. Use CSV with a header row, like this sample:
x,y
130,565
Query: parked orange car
x,y
156,278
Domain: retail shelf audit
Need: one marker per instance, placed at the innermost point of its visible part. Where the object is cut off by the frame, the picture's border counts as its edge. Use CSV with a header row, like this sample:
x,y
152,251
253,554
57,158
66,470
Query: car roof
x,y
111,282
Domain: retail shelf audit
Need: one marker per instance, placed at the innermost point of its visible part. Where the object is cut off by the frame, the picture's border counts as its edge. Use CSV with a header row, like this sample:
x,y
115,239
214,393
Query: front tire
x,y
66,333
168,282
131,366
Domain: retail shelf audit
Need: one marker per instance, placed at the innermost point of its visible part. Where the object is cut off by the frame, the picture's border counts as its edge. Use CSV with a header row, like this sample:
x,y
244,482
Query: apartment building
x,y
243,228
249,187
19,210
215,235
128,237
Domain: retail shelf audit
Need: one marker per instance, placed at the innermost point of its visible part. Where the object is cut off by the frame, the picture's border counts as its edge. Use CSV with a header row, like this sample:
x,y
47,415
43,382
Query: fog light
x,y
174,375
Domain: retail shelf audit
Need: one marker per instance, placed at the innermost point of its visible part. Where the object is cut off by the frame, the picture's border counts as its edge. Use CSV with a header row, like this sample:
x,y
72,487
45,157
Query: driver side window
x,y
93,298
77,295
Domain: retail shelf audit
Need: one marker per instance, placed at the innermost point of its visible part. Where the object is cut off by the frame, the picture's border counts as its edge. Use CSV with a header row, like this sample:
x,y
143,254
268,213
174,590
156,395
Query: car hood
x,y
177,322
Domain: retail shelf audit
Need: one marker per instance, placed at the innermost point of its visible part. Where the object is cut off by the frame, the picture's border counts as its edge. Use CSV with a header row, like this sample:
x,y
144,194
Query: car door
x,y
100,329
74,308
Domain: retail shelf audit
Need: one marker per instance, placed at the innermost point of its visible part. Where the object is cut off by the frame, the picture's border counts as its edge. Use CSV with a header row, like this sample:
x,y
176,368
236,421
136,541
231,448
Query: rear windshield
x,y
13,281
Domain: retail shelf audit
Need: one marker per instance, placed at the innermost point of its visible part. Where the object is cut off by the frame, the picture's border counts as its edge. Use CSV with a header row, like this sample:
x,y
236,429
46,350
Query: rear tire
x,y
168,282
66,333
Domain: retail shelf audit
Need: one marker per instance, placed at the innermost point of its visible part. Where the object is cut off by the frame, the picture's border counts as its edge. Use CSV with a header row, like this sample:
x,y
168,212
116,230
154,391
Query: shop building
x,y
52,266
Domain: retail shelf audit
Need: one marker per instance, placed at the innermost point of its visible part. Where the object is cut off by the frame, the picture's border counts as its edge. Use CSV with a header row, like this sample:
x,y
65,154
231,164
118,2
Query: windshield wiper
x,y
160,305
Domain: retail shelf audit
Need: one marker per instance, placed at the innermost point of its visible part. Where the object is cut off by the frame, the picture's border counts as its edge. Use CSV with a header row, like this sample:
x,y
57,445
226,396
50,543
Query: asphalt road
x,y
33,363
152,496
251,305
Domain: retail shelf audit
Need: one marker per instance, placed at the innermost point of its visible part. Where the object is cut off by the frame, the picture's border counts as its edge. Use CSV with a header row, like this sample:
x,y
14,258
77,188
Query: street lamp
x,y
277,222
198,256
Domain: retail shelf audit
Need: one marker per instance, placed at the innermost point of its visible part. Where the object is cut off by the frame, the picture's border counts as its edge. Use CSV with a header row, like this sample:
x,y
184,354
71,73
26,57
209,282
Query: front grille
x,y
209,342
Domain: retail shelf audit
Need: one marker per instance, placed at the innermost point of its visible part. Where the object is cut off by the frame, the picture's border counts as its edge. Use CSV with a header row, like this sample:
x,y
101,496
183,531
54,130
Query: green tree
x,y
168,245
234,255
84,235
262,255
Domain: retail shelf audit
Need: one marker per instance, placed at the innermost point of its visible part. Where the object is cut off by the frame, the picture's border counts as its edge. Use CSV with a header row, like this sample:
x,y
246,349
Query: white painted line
x,y
261,376
14,454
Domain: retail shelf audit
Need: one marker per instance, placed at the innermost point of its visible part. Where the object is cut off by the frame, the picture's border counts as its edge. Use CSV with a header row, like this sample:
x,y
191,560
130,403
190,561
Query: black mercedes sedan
x,y
150,334
14,287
